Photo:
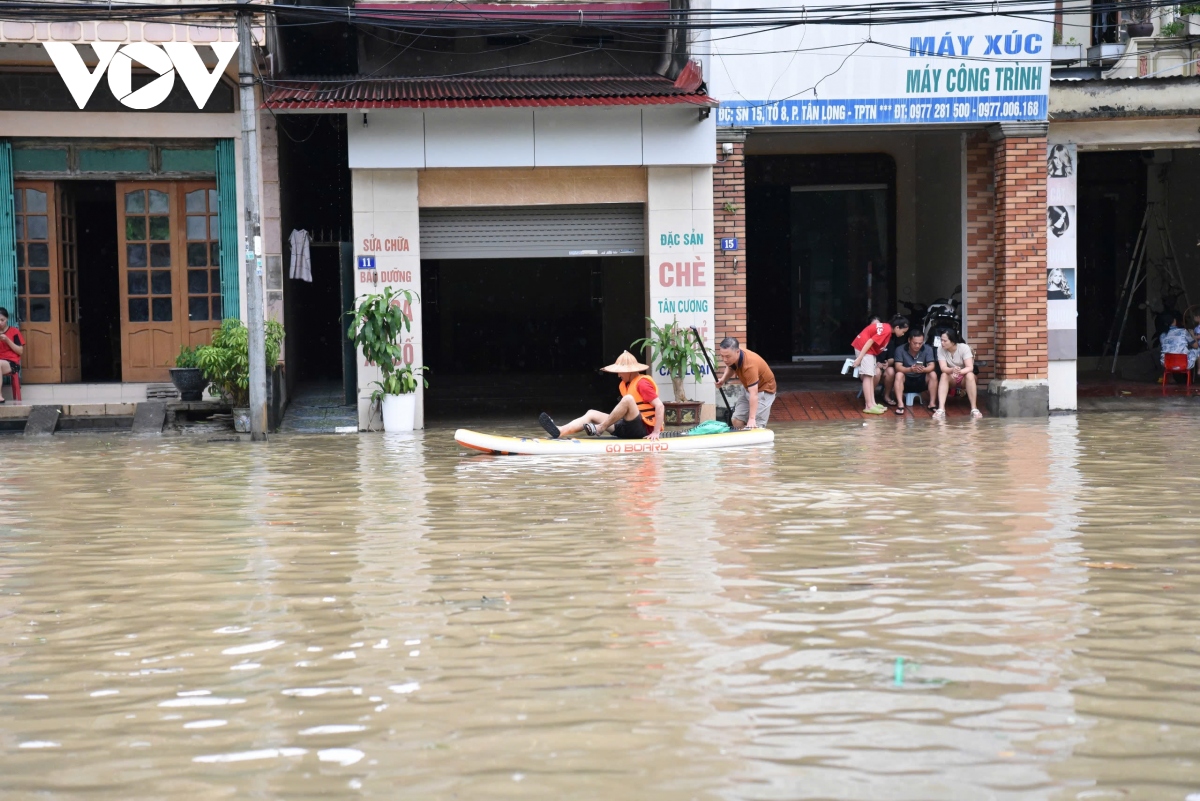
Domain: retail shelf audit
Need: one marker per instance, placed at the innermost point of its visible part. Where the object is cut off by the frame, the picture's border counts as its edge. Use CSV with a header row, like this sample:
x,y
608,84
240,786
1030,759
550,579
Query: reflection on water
x,y
995,610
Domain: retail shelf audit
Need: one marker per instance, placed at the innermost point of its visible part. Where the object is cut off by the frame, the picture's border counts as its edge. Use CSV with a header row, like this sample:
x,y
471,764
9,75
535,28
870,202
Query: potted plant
x,y
376,327
1137,22
187,376
226,363
675,350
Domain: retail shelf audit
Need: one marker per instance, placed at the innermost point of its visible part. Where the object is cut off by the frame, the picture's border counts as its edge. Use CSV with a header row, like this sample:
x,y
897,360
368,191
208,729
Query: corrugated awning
x,y
485,92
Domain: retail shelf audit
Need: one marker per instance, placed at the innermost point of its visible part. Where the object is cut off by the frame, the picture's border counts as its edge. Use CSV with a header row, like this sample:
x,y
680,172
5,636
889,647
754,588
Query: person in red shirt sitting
x,y
869,343
639,414
12,345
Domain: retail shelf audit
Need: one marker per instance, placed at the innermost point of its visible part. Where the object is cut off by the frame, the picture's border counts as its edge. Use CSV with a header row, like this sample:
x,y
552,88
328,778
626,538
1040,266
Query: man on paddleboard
x,y
753,408
639,415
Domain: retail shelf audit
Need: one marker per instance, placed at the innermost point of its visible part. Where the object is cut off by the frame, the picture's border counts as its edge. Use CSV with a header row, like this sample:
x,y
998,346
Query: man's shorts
x,y
631,429
916,383
867,366
13,366
741,409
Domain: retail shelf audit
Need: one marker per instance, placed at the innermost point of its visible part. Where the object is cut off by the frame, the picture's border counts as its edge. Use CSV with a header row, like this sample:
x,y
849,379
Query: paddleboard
x,y
608,446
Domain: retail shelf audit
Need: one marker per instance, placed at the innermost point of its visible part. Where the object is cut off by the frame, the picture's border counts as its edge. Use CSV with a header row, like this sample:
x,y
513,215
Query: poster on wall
x,y
1061,223
961,70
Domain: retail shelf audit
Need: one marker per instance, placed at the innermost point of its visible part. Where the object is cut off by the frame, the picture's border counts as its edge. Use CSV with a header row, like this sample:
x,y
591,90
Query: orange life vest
x,y
645,408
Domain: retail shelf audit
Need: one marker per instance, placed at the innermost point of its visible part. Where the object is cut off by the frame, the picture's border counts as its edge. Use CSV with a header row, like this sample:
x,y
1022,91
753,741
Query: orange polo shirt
x,y
751,370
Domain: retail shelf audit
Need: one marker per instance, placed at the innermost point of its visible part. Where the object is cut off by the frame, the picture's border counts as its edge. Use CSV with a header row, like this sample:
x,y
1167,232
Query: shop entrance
x,y
1124,197
527,335
314,173
523,304
139,261
822,245
99,280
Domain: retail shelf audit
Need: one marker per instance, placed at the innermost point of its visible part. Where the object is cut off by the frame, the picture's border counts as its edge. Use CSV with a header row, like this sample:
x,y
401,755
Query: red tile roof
x,y
483,92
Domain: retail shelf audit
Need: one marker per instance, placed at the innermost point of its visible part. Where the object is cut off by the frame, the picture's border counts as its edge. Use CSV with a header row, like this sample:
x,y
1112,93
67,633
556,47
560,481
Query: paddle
x,y
727,415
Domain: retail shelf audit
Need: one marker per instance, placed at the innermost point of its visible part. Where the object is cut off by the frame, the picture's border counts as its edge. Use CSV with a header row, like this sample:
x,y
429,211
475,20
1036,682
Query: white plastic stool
x,y
910,398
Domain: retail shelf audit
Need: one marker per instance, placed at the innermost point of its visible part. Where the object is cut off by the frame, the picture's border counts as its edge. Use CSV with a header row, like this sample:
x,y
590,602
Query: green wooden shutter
x,y
8,234
231,297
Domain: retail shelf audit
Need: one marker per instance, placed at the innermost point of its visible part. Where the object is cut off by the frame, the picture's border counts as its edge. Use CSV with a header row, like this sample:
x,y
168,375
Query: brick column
x,y
979,295
1021,387
729,187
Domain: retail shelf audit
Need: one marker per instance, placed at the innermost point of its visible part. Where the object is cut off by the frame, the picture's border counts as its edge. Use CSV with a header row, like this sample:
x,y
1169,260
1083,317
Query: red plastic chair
x,y
15,380
1176,363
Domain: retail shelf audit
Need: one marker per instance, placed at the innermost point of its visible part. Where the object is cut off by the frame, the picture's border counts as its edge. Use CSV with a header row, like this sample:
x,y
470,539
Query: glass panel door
x,y
38,280
68,252
840,272
202,234
150,331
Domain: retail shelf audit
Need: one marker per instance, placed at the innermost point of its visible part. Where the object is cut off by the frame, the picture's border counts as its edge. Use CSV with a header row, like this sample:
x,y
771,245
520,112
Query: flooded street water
x,y
1002,610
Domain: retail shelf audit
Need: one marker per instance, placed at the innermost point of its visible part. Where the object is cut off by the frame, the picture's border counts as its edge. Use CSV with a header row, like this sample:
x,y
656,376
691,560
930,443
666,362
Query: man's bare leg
x,y
625,410
898,389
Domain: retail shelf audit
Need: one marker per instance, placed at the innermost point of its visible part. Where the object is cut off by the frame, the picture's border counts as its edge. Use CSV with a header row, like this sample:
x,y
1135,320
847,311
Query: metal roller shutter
x,y
508,232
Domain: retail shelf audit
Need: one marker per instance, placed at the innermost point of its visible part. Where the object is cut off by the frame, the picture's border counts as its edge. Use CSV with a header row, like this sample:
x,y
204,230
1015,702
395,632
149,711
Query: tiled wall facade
x,y
729,187
1020,237
979,294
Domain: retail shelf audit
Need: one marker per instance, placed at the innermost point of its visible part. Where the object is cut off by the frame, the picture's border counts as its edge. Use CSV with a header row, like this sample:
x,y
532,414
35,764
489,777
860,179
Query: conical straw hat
x,y
625,363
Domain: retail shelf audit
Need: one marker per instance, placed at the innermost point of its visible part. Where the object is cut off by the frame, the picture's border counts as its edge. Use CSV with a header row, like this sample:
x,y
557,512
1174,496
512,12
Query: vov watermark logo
x,y
165,60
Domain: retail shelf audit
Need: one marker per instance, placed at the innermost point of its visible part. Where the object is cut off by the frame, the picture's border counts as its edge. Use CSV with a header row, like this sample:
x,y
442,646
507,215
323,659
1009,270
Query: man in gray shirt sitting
x,y
915,370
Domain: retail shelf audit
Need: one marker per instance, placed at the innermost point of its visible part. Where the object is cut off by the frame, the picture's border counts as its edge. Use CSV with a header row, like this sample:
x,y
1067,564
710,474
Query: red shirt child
x,y
6,351
873,339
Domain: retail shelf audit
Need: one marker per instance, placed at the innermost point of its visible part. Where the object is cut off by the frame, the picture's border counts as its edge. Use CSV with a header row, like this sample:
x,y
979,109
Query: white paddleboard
x,y
610,446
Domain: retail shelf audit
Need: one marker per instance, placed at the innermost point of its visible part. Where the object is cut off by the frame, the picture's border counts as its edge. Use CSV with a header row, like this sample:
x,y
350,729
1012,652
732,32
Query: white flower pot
x,y
399,412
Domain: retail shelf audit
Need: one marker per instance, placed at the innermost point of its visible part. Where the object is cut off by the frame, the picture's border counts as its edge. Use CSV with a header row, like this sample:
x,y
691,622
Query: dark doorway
x,y
820,234
1112,199
314,179
527,335
99,290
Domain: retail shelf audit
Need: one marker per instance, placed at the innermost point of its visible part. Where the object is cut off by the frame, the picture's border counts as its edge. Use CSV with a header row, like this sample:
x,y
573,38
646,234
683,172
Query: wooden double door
x,y
168,270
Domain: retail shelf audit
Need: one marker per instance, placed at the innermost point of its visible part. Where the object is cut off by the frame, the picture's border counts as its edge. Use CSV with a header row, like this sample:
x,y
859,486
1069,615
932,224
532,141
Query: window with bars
x,y
33,255
148,255
203,255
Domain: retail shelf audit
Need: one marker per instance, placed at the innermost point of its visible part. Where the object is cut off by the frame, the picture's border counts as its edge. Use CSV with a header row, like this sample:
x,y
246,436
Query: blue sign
x,y
366,262
993,108
729,244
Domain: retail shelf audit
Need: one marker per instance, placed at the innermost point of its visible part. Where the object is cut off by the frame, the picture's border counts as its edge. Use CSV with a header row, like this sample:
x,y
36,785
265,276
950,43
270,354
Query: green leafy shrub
x,y
376,327
226,362
187,357
675,349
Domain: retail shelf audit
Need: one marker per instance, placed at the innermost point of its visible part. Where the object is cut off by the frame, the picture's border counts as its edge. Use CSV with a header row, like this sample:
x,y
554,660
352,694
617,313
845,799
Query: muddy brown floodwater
x,y
366,616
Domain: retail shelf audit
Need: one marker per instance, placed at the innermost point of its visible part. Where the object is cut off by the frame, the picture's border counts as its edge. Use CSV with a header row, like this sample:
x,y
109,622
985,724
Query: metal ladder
x,y
1135,276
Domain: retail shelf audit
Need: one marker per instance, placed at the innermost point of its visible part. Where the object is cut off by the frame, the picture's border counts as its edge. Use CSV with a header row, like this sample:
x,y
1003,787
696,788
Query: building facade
x,y
120,171
862,169
537,215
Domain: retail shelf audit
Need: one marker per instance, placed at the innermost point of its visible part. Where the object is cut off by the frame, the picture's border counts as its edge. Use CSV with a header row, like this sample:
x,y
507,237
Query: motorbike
x,y
944,314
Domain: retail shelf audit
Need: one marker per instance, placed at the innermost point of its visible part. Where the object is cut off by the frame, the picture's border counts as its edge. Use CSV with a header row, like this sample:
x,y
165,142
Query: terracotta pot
x,y
1138,30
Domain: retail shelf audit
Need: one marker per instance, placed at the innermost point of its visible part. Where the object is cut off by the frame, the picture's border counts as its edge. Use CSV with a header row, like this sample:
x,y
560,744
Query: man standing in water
x,y
639,414
754,406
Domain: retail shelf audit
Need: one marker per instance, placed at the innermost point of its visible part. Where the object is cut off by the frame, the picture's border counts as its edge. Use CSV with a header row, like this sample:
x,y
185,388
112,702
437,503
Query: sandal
x,y
899,411
877,409
975,413
890,401
939,414
548,424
